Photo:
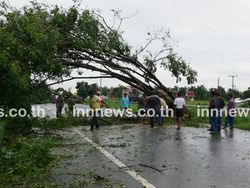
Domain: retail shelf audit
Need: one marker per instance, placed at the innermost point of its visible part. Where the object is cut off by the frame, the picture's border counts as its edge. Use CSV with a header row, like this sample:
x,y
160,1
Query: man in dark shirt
x,y
59,105
153,107
230,106
214,108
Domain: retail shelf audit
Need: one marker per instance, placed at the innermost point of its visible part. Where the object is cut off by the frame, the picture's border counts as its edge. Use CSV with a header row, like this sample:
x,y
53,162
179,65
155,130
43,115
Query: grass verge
x,y
24,161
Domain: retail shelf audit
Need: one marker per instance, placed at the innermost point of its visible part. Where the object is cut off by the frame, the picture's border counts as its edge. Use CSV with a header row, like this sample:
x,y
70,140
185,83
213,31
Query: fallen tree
x,y
49,42
90,43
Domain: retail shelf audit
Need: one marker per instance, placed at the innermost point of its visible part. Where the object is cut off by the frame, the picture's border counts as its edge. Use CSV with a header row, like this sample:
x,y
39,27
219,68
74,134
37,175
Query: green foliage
x,y
236,93
2,131
116,92
83,89
178,67
40,94
201,92
194,119
27,54
245,105
243,123
24,160
198,102
42,42
181,90
65,94
24,125
246,94
222,92
105,91
115,103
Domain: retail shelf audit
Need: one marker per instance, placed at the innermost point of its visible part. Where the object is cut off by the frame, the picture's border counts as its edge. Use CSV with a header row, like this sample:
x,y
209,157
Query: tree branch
x,y
74,78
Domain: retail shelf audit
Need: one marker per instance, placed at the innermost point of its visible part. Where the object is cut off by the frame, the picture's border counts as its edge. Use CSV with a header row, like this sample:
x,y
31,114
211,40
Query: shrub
x,y
24,161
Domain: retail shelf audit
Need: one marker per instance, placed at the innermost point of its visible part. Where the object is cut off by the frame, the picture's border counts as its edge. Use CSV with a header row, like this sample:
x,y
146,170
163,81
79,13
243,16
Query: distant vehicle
x,y
239,100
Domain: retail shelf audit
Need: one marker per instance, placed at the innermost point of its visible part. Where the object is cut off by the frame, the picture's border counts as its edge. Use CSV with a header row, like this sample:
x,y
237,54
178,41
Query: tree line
x,y
201,92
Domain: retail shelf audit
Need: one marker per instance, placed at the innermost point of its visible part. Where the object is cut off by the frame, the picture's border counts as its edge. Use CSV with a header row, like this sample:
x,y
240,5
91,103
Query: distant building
x,y
190,95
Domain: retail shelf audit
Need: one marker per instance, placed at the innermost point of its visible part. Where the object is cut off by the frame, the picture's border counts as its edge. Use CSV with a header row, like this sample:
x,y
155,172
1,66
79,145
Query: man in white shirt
x,y
179,107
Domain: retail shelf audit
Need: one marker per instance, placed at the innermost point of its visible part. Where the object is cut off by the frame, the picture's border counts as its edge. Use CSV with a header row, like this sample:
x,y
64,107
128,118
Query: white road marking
x,y
132,173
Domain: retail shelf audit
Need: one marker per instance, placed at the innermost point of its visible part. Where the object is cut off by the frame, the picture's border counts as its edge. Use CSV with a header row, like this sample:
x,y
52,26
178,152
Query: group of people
x,y
216,106
155,104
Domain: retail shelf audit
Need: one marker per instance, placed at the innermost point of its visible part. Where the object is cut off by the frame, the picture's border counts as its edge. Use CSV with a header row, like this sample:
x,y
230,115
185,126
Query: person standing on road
x,y
164,106
179,108
230,107
71,104
214,108
162,111
59,105
125,102
153,108
94,104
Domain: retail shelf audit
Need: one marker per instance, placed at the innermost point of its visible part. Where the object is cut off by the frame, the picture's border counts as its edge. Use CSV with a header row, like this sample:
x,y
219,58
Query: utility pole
x,y
233,80
219,85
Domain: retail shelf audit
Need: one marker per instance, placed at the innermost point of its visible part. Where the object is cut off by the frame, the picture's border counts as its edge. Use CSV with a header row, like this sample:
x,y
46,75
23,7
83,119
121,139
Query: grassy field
x,y
195,102
116,103
191,118
240,122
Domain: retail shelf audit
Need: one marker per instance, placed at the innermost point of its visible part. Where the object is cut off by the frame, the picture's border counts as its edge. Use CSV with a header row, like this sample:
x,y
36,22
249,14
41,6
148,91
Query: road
x,y
159,157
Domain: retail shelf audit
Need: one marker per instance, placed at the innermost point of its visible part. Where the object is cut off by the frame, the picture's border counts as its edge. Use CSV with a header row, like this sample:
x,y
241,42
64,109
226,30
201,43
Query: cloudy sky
x,y
213,35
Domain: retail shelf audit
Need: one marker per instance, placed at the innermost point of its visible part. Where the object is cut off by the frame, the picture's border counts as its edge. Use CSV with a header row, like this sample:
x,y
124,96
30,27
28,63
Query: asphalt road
x,y
163,157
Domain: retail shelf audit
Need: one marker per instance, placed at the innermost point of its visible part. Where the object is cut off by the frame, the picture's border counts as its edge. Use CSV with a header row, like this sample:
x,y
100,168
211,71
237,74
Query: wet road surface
x,y
165,157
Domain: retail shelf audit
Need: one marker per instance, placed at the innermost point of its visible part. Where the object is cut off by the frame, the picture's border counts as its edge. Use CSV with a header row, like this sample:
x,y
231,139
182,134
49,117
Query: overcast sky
x,y
213,35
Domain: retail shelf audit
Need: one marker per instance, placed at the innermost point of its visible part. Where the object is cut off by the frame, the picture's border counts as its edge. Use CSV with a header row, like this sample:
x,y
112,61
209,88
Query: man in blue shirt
x,y
125,102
